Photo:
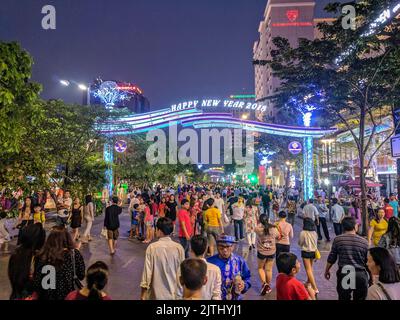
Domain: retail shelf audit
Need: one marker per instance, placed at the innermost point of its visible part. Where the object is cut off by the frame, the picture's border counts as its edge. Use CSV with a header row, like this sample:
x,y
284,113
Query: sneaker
x,y
269,290
253,246
250,248
264,289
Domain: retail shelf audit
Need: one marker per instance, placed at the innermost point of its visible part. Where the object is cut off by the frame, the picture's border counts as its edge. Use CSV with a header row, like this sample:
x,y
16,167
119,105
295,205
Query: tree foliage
x,y
345,75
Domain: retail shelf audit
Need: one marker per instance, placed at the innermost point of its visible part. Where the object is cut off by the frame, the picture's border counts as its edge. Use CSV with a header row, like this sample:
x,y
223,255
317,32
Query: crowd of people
x,y
191,233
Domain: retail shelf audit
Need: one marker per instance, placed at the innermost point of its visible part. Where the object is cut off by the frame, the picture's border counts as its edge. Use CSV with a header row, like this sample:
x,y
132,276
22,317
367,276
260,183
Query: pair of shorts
x,y
308,255
112,234
149,224
263,257
212,234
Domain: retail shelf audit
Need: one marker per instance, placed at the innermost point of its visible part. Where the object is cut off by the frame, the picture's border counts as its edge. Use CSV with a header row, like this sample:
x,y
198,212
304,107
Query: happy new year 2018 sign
x,y
218,103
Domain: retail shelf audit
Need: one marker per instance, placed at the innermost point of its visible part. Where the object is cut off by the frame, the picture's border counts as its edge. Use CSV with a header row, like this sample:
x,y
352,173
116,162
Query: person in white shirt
x,y
219,203
337,216
212,289
237,217
311,211
162,261
64,209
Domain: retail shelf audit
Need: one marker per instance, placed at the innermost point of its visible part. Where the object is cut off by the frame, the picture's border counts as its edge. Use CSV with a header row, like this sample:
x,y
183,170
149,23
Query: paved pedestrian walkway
x,y
127,264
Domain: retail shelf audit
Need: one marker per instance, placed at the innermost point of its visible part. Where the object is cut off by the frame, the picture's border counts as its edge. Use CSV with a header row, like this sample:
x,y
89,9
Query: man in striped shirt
x,y
350,250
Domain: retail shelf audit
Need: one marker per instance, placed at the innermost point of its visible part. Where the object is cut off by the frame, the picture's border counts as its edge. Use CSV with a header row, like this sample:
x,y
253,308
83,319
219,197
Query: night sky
x,y
173,49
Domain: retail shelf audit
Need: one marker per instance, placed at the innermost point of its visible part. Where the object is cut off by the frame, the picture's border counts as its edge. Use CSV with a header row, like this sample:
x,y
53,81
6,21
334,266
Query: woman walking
x,y
76,218
391,239
250,220
286,232
378,228
25,217
89,217
308,243
267,234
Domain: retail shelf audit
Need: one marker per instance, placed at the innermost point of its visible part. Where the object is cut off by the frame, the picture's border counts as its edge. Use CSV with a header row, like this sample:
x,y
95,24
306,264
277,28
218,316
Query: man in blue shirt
x,y
234,269
394,204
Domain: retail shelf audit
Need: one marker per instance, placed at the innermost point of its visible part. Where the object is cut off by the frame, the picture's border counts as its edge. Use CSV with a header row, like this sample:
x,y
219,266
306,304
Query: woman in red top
x,y
96,278
161,208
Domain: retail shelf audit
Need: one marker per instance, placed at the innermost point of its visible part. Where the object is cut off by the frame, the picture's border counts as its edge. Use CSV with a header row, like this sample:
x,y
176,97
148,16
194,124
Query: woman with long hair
x,y
20,265
391,239
76,218
58,252
96,279
89,217
25,217
385,275
267,234
308,243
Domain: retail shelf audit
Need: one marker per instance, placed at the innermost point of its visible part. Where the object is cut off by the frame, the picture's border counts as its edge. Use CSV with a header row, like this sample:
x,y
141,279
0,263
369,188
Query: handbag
x,y
76,282
380,285
317,255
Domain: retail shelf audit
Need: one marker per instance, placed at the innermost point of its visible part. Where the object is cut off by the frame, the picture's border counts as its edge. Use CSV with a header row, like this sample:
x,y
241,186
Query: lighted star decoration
x,y
110,94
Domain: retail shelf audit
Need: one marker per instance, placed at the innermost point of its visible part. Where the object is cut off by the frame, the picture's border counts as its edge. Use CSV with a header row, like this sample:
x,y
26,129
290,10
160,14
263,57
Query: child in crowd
x,y
149,222
134,221
287,286
39,215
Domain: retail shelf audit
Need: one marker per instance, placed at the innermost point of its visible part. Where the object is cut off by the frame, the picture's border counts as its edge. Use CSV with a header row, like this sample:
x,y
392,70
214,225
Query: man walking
x,y
350,250
322,214
310,211
212,289
111,223
337,216
162,261
185,227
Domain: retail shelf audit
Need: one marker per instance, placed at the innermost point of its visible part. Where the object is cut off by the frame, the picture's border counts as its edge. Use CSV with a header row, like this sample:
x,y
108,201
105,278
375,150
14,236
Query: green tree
x,y
347,76
19,105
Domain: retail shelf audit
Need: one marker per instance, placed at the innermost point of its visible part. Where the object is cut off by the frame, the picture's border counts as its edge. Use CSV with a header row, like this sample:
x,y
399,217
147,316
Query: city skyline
x,y
133,44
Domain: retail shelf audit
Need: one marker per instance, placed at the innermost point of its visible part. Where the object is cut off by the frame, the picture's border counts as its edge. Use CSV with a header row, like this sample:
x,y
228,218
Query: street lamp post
x,y
83,87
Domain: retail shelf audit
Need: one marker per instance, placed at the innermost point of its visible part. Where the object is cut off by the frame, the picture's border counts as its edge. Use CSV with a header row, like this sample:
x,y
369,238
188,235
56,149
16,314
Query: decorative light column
x,y
108,155
308,164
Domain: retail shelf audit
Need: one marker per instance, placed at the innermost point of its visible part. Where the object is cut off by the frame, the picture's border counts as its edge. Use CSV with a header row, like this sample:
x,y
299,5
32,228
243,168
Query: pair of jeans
x,y
238,229
338,228
322,221
291,217
185,244
360,280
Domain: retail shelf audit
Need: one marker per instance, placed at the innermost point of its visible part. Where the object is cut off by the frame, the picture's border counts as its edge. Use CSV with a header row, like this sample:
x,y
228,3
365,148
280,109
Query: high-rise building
x,y
290,19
